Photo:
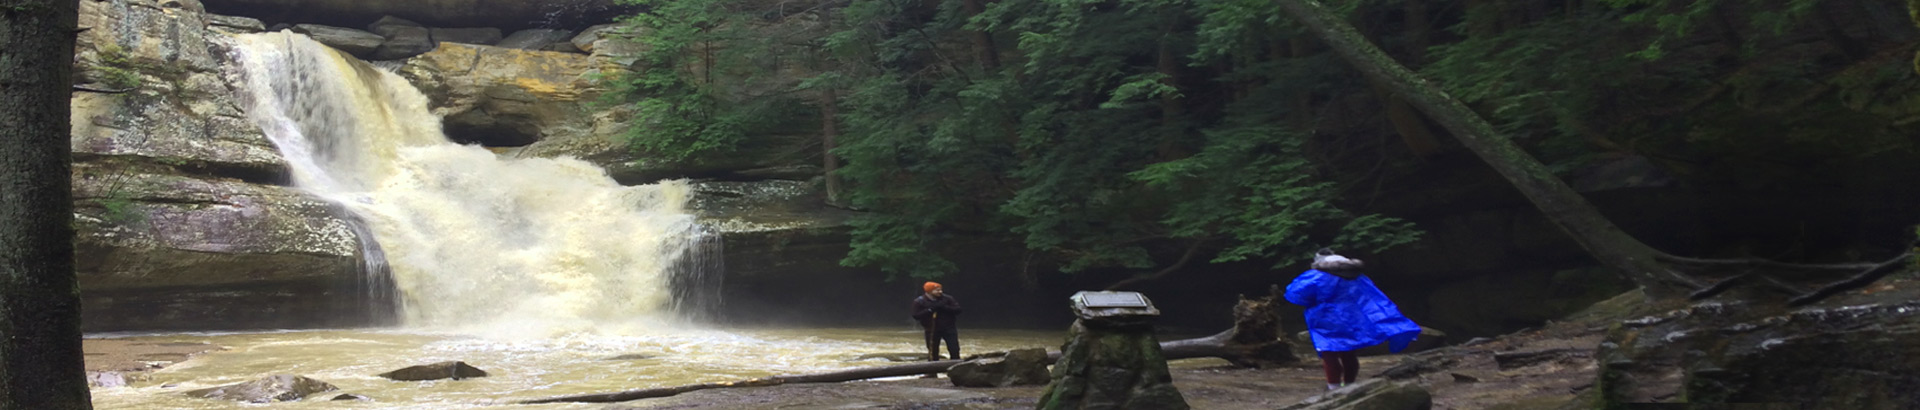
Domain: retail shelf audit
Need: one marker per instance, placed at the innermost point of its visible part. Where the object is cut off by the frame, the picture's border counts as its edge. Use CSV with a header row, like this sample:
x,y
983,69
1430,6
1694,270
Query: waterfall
x,y
475,242
696,279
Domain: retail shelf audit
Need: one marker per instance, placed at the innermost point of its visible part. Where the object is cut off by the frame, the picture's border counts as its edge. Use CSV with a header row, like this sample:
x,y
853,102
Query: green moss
x,y
116,69
120,210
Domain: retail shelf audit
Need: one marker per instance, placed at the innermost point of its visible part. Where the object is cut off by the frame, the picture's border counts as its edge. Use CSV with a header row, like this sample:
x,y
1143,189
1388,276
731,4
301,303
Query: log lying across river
x,y
1178,349
828,377
1254,341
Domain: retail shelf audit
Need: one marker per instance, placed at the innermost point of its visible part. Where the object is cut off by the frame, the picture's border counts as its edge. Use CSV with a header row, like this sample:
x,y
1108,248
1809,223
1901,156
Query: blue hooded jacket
x,y
1348,314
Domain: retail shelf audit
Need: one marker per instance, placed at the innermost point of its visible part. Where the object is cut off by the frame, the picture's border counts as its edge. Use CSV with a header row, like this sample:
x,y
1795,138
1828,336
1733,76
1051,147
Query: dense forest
x,y
1154,135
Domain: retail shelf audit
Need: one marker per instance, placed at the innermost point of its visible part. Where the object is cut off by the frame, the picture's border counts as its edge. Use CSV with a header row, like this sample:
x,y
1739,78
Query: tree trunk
x,y
1167,63
829,130
1255,340
41,366
982,40
1566,208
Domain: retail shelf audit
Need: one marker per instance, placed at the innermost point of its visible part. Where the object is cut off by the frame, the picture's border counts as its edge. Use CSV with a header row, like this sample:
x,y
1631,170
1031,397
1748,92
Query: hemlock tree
x,y
41,364
1662,275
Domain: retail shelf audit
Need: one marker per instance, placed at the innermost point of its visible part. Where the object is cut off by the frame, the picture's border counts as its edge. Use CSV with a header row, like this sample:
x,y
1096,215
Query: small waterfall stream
x,y
476,243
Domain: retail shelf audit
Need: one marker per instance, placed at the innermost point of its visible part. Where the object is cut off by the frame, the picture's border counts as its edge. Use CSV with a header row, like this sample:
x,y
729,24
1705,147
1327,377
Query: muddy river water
x,y
520,369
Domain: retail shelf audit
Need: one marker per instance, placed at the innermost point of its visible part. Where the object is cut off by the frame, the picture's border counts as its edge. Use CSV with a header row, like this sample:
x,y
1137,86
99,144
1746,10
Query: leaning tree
x,y
41,366
1662,275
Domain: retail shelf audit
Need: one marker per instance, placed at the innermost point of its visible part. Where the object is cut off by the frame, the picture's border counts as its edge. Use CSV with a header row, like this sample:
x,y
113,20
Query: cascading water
x,y
696,279
524,247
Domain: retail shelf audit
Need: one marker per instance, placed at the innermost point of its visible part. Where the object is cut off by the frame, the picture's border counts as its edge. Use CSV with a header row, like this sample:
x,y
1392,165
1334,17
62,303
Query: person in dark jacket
x,y
936,311
1345,312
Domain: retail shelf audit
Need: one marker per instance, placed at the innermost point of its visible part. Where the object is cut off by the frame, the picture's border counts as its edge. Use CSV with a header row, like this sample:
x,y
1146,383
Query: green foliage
x,y
1675,20
1068,147
1114,131
698,92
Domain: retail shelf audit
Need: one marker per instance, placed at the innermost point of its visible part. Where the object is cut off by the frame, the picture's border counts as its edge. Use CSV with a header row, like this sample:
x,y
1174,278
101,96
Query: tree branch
x,y
1184,258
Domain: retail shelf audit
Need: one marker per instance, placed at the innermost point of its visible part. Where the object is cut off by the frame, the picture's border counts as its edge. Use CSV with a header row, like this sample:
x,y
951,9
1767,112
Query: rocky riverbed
x,y
1554,366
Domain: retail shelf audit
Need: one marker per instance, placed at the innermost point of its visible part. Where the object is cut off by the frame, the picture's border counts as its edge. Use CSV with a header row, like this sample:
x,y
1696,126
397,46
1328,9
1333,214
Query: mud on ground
x,y
1540,369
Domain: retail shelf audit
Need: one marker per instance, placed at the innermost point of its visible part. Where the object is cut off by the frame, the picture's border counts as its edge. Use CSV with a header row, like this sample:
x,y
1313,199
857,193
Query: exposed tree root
x,y
1760,263
1867,273
1865,277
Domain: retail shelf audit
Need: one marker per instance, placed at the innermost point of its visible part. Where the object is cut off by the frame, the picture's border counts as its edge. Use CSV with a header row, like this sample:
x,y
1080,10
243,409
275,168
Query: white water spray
x,y
478,243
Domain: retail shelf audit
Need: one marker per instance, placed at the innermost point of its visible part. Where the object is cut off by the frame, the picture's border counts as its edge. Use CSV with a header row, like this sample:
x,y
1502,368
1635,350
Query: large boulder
x,y
235,24
181,220
535,39
142,228
1855,351
455,370
509,97
355,42
484,36
508,14
279,387
1020,367
591,36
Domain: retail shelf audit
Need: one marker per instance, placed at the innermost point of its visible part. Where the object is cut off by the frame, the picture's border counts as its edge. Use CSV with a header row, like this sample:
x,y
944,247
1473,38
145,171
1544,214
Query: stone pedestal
x,y
1111,359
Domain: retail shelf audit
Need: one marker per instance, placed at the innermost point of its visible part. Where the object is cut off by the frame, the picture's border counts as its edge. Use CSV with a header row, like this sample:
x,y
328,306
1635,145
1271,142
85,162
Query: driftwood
x,y
1254,341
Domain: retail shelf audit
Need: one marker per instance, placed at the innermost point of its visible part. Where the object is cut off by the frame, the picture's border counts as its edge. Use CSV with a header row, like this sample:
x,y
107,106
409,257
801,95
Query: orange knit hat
x,y
930,286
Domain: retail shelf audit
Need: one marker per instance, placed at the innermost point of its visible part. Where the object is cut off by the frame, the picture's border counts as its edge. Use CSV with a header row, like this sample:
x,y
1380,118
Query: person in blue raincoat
x,y
1345,312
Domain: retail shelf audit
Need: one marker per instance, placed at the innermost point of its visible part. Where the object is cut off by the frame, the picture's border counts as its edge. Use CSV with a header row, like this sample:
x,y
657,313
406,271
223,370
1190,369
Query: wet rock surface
x,y
1023,367
510,97
534,39
1853,351
455,370
276,388
447,13
181,215
352,41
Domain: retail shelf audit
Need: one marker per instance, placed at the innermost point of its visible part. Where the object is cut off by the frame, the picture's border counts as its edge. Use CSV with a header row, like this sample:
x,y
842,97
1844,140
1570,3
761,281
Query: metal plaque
x,y
1113,299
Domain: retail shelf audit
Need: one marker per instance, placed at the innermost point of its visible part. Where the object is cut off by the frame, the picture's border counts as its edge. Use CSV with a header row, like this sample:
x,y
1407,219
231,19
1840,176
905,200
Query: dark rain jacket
x,y
936,314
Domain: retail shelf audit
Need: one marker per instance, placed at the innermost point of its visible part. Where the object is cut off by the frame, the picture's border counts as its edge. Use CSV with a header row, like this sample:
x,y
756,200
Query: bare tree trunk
x,y
41,364
1561,204
830,130
1408,122
1167,63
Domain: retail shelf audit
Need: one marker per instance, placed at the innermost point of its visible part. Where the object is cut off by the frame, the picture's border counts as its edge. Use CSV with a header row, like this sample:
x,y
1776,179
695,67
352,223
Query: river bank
x,y
1460,377
1467,378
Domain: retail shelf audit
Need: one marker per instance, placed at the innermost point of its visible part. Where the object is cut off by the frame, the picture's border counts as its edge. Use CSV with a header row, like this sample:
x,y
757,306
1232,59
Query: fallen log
x,y
1254,341
828,377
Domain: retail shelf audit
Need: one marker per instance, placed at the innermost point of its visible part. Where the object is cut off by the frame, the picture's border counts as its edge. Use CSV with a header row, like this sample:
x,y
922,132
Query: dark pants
x,y
1341,367
952,336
